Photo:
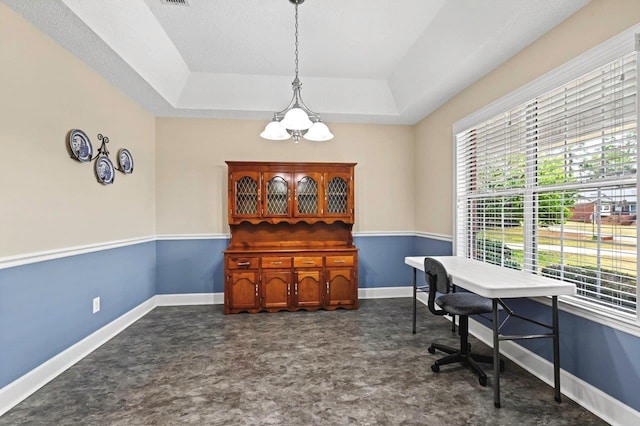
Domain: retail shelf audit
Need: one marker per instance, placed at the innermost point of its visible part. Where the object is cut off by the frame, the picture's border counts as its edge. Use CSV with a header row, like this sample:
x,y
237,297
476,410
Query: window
x,y
549,186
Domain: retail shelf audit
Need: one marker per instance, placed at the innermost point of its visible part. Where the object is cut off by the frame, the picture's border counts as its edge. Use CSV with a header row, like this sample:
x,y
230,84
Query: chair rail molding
x,y
41,256
434,236
170,237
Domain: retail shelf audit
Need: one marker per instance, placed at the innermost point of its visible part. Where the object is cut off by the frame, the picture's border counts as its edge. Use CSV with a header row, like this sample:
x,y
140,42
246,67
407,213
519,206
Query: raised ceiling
x,y
372,61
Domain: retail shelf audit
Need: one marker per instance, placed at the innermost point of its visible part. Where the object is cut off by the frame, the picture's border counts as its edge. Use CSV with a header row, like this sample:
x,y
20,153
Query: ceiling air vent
x,y
175,2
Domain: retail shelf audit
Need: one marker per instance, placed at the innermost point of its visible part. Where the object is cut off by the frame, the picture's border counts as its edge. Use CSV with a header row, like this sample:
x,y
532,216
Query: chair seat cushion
x,y
464,304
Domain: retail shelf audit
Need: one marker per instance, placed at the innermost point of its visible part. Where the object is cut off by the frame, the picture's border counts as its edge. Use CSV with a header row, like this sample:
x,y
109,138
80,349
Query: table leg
x,y
415,290
496,355
556,348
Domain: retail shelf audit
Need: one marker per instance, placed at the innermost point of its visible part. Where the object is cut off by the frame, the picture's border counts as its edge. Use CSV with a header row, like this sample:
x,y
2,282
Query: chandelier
x,y
296,119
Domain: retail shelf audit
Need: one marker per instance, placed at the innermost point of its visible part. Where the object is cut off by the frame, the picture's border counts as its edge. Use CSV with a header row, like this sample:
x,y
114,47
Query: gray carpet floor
x,y
194,365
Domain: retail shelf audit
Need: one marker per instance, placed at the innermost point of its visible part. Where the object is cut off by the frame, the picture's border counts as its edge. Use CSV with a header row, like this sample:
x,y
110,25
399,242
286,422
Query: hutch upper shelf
x,y
290,192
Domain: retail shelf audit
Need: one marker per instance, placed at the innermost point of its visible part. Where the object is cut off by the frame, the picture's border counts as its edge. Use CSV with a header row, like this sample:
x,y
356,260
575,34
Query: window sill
x,y
596,313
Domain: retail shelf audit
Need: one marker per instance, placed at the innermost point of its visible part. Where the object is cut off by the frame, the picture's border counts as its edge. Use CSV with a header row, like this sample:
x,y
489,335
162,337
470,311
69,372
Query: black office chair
x,y
463,305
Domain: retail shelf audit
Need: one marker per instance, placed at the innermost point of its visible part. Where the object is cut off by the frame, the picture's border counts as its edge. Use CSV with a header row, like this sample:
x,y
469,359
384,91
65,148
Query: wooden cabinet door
x,y
308,195
276,288
308,288
242,287
340,287
338,196
244,195
277,188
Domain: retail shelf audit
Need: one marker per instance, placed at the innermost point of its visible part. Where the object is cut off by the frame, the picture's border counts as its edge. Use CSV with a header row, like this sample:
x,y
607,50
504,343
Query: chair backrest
x,y
439,282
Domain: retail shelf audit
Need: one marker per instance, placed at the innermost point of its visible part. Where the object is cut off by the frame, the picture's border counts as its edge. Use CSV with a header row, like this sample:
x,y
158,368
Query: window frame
x,y
612,49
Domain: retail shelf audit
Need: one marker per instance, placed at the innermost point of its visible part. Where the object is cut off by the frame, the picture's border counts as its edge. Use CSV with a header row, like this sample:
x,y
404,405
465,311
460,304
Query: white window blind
x,y
549,186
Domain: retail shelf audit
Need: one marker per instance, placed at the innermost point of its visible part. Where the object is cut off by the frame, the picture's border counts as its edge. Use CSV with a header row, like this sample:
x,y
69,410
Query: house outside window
x,y
549,186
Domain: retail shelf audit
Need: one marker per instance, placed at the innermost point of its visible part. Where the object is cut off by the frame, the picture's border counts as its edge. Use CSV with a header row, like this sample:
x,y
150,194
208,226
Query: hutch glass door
x,y
277,198
307,195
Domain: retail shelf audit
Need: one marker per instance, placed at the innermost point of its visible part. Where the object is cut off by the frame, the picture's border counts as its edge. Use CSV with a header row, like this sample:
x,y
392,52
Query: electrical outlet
x,y
96,304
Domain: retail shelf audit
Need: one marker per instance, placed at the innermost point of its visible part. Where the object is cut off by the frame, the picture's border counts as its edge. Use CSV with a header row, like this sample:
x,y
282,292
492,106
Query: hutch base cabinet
x,y
290,280
291,242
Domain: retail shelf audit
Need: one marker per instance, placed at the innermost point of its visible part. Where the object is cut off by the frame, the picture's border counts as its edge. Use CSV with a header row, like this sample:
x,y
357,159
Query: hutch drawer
x,y
307,262
242,262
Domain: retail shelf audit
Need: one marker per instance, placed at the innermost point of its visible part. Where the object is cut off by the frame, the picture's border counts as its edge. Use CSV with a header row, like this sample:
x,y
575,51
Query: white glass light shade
x,y
275,132
296,119
319,132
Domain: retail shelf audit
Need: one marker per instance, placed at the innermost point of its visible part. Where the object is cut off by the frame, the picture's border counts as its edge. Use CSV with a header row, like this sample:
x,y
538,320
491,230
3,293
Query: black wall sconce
x,y
81,150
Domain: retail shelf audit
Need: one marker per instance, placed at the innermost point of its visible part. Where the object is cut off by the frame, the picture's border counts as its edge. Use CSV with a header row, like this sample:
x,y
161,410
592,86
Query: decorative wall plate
x,y
105,172
125,161
80,145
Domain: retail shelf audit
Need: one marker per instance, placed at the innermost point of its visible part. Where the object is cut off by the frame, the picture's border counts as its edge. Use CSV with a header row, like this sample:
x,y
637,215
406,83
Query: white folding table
x,y
498,283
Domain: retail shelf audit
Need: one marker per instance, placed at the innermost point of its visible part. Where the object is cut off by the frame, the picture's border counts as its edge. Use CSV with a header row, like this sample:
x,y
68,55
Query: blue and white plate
x,y
105,172
125,161
80,145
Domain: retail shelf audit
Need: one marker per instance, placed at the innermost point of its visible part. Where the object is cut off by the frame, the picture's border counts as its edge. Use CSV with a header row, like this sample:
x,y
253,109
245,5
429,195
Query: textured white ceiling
x,y
376,61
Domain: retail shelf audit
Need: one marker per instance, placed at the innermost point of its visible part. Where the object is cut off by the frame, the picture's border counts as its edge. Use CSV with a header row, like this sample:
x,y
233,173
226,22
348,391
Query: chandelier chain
x,y
296,40
296,120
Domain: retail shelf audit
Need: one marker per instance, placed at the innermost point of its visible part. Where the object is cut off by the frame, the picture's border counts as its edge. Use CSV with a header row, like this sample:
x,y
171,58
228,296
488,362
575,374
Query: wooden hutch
x,y
291,243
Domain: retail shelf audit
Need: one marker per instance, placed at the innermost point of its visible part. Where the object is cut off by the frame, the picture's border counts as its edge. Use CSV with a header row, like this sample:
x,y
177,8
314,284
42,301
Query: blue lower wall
x,y
431,247
45,307
196,266
190,266
381,261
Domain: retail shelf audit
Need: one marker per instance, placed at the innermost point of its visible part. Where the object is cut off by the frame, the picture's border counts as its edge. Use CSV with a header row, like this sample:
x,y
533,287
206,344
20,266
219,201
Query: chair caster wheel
x,y
431,350
482,380
435,368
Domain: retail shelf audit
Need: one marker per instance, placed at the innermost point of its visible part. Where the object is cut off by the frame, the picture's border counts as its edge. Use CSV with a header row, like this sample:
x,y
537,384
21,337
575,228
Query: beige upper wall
x,y
403,179
47,200
192,174
597,22
50,201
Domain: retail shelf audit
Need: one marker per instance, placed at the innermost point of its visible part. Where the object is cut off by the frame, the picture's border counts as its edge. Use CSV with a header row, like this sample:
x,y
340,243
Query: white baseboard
x,y
18,390
22,387
385,292
218,298
189,299
590,397
593,399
